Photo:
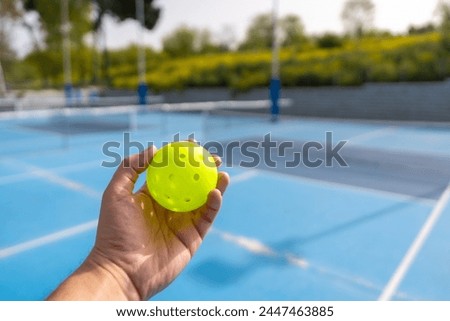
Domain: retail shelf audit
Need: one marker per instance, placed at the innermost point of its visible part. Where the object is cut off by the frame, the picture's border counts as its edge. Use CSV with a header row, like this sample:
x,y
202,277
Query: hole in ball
x,y
196,177
187,200
182,155
171,176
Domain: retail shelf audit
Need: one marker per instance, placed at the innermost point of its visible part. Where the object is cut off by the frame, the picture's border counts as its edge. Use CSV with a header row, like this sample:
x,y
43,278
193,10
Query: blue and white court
x,y
377,229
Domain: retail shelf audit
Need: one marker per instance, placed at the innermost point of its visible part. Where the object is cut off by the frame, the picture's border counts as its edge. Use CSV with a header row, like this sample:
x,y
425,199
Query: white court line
x,y
371,134
50,176
29,174
64,182
251,245
19,114
47,239
75,230
416,246
257,247
249,174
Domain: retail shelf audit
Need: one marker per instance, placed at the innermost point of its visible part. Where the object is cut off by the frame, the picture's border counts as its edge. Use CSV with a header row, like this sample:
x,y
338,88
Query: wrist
x,y
113,279
97,279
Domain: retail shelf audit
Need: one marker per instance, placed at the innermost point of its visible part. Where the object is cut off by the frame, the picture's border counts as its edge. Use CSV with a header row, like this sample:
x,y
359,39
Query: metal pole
x,y
65,29
275,83
142,87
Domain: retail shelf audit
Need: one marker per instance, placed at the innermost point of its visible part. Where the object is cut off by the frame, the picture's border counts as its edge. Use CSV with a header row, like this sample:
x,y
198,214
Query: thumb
x,y
127,173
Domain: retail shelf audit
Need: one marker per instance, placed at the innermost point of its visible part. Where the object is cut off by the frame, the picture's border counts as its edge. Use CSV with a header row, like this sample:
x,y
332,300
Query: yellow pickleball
x,y
181,175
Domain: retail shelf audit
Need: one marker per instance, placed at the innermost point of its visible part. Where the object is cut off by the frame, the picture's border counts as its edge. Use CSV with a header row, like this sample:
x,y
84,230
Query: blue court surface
x,y
375,228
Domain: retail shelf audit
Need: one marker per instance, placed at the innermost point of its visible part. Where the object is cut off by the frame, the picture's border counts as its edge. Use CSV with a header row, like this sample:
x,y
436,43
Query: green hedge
x,y
408,58
403,58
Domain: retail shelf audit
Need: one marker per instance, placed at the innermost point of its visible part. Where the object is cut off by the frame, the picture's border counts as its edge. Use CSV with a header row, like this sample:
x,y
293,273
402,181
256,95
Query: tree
x,y
358,16
415,30
81,21
443,10
50,25
121,10
293,31
50,20
179,43
204,42
227,38
185,41
259,34
9,11
329,40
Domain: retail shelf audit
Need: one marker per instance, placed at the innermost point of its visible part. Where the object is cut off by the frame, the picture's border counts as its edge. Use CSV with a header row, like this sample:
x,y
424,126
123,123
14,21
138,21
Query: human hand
x,y
140,246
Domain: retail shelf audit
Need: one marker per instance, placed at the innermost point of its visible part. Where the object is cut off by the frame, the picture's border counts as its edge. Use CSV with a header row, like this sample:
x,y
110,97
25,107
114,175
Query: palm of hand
x,y
148,242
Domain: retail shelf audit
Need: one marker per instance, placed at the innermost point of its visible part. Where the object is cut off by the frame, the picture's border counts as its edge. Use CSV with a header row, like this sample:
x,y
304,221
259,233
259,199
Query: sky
x,y
230,18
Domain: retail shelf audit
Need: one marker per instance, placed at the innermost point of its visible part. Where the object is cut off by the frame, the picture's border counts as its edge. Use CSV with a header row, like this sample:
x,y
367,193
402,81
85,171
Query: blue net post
x,y
68,93
142,93
274,91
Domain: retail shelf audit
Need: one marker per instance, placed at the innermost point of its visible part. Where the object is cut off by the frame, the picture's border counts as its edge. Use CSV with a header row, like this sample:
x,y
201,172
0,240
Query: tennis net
x,y
39,130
